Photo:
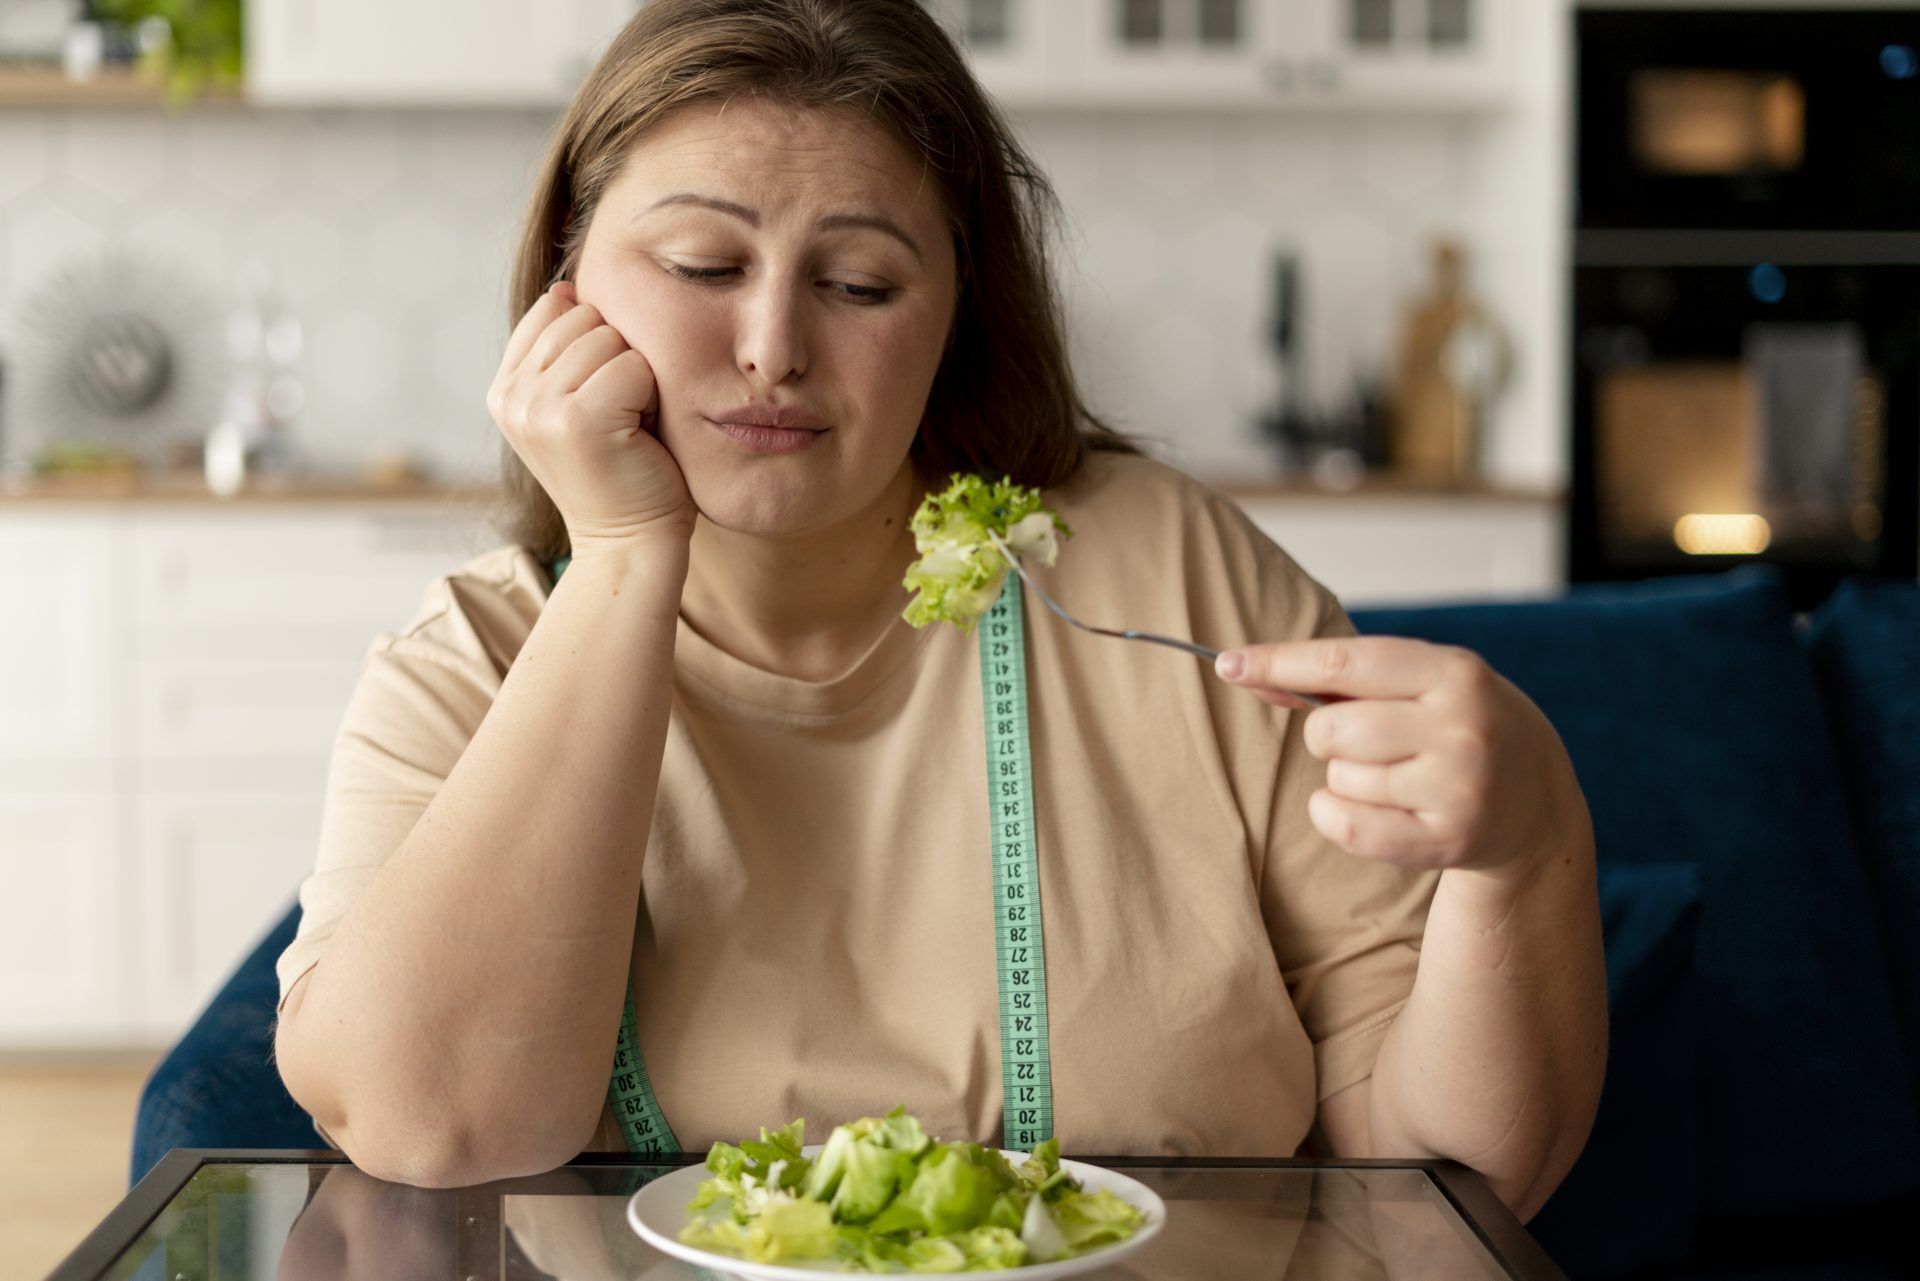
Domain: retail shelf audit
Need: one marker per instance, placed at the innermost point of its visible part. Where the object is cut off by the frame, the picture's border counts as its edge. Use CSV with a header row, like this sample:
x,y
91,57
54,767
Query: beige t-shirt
x,y
815,932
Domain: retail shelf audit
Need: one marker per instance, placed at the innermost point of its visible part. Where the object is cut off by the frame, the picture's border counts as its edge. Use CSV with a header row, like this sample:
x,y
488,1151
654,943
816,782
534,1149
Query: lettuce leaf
x,y
785,1228
949,1192
872,1175
992,1247
958,575
742,1173
1089,1219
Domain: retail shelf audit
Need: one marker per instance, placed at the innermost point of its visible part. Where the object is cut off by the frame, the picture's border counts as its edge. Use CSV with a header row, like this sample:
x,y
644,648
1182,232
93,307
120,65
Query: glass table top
x,y
203,1216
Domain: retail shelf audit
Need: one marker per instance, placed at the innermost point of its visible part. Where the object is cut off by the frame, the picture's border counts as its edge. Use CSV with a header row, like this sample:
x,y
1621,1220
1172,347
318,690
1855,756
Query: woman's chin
x,y
778,495
758,505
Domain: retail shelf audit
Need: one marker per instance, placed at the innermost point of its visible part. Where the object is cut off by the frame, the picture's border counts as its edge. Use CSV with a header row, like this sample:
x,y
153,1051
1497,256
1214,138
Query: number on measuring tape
x,y
631,1094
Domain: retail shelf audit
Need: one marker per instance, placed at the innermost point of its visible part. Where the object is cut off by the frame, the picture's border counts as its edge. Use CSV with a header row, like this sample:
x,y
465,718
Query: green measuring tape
x,y
1020,950
631,1094
1020,953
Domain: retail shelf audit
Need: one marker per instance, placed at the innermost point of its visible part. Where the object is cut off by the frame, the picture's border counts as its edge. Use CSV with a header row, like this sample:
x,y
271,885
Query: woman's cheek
x,y
644,314
909,341
685,346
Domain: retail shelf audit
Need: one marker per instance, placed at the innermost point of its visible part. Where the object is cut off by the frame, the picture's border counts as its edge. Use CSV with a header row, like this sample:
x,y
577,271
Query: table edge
x,y
1467,1193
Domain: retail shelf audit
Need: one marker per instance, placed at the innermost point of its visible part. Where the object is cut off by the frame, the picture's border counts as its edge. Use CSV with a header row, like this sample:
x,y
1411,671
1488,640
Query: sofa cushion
x,y
1618,1212
1866,647
1697,731
217,1087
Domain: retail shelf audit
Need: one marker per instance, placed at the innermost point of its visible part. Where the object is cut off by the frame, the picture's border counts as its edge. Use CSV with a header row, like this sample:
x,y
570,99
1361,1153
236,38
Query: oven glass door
x,y
1731,413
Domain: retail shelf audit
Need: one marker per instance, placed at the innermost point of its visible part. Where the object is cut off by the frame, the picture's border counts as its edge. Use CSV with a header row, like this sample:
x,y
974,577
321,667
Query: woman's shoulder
x,y
1139,490
1108,477
482,609
1147,512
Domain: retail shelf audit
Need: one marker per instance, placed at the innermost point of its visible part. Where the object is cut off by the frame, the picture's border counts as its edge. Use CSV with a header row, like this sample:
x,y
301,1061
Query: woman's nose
x,y
770,339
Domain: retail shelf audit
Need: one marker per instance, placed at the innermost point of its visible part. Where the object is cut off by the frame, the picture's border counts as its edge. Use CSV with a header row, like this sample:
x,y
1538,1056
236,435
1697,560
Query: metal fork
x,y
1201,651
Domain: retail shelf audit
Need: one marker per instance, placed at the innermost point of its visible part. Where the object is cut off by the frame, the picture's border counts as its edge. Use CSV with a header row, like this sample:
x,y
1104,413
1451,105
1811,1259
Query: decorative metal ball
x,y
118,349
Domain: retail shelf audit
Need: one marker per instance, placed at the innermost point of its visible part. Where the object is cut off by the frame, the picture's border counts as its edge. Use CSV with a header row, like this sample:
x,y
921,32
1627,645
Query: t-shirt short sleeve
x,y
1345,930
421,696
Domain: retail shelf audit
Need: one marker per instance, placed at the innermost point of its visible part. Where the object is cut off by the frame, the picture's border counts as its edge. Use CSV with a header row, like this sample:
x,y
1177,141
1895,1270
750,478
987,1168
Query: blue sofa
x,y
1754,778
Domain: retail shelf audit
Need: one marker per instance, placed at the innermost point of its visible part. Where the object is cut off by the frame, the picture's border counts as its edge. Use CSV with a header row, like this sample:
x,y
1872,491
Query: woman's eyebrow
x,y
875,222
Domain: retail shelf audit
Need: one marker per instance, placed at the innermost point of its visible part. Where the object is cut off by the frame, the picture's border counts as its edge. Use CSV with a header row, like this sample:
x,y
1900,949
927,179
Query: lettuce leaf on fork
x,y
957,577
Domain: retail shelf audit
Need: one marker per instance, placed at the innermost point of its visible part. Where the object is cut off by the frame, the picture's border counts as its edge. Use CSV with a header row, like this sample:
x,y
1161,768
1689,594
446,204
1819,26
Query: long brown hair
x,y
1004,401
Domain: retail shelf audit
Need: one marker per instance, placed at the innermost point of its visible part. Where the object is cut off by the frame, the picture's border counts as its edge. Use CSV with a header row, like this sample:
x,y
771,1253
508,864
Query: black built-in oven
x,y
1746,292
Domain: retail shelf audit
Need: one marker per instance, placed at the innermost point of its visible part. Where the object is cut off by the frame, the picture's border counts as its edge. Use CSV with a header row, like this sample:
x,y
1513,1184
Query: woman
x,y
800,279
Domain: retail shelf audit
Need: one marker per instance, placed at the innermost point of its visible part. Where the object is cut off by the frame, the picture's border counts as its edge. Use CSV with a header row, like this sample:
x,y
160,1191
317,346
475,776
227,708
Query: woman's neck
x,y
810,605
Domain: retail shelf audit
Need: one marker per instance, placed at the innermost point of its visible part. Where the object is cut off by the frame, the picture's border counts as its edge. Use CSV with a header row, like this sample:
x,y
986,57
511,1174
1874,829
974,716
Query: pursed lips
x,y
786,419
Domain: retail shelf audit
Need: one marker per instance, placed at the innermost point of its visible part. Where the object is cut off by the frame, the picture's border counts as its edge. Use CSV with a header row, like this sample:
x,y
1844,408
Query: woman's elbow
x,y
401,1129
398,1140
426,1154
421,1161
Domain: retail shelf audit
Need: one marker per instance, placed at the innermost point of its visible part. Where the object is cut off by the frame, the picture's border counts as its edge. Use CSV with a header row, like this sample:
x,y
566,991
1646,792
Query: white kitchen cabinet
x,y
1021,50
1262,54
1180,53
1406,53
1406,549
213,877
425,52
64,954
246,705
57,653
173,681
298,571
1031,54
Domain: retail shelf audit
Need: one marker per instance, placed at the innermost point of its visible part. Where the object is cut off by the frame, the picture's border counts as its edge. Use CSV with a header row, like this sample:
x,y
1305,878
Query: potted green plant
x,y
186,46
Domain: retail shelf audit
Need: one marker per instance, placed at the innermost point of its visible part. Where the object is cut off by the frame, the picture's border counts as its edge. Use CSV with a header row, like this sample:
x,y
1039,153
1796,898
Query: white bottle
x,y
263,396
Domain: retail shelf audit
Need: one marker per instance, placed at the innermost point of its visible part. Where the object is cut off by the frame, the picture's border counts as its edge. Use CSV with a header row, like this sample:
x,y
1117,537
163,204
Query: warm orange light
x,y
1698,534
1702,121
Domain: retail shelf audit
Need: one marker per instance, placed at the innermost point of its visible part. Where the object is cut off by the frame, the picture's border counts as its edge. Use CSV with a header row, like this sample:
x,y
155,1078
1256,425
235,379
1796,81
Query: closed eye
x,y
698,273
865,294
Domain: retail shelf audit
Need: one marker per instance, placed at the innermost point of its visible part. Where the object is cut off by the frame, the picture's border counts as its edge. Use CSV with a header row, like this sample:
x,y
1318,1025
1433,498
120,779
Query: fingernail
x,y
1230,666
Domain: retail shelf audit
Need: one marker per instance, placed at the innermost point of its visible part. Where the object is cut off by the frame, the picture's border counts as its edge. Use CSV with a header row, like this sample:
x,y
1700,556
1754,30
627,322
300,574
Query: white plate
x,y
659,1210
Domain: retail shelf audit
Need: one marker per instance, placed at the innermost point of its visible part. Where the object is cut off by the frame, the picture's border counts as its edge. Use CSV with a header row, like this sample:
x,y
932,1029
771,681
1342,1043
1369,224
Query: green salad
x,y
957,577
884,1197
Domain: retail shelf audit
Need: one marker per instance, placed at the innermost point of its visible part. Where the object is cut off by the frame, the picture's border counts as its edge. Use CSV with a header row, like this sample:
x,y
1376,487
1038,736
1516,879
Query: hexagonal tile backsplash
x,y
390,232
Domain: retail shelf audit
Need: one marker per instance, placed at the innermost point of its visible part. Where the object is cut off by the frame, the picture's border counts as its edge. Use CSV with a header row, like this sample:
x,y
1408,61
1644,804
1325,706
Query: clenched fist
x,y
582,411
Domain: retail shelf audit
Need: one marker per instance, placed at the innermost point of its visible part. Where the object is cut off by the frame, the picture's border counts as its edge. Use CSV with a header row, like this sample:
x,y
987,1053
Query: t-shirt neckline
x,y
715,672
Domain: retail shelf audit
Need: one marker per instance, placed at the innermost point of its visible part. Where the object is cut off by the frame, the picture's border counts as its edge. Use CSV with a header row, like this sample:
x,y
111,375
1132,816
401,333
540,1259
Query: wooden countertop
x,y
188,487
47,85
1383,485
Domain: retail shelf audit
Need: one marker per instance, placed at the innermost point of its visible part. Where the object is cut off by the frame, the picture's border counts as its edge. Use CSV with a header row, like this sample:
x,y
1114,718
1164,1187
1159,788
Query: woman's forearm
x,y
1497,1058
461,1023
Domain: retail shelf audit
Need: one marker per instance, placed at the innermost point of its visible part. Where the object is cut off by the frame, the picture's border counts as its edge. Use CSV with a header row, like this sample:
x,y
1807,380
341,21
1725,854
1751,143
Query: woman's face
x,y
761,258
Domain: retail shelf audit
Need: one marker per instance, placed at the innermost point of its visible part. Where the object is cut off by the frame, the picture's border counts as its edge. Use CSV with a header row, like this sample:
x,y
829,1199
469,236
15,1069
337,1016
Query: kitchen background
x,y
245,336
388,233
1185,172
